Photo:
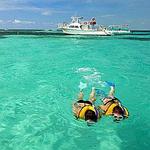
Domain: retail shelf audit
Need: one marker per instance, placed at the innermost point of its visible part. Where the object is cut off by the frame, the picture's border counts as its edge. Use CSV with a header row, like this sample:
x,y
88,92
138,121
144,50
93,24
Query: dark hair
x,y
118,110
90,115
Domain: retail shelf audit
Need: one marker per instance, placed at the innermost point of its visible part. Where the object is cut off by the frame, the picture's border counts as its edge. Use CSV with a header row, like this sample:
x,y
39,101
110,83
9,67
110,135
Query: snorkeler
x,y
112,105
85,109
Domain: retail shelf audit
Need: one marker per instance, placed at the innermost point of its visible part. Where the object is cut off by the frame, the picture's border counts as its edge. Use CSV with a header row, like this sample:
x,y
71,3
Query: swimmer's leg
x,y
112,88
92,97
112,91
80,95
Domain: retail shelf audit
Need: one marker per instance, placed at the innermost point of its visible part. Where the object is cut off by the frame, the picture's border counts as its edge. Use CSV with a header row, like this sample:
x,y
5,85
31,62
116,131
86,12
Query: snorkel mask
x,y
90,122
117,117
118,113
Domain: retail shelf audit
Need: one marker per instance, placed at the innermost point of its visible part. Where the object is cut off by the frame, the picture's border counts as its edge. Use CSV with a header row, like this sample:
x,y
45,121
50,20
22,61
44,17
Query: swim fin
x,y
82,86
109,83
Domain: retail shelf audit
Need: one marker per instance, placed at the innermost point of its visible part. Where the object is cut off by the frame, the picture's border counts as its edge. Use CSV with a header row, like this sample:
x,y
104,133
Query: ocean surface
x,y
39,79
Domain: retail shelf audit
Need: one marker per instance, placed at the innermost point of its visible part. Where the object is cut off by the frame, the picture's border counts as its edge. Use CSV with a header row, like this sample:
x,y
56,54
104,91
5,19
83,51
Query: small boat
x,y
118,29
79,27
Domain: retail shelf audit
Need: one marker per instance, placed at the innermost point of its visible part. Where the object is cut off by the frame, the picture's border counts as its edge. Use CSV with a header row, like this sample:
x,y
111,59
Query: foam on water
x,y
86,69
91,76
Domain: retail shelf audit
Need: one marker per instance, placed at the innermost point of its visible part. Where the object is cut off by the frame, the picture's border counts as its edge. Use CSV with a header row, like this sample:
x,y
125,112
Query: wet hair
x,y
90,115
118,110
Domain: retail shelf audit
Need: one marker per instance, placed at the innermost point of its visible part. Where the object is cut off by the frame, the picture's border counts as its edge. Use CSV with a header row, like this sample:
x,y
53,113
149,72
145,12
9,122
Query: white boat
x,y
118,29
79,27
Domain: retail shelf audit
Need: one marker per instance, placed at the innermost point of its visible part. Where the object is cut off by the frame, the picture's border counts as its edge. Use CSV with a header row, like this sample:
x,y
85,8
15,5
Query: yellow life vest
x,y
84,109
126,112
111,107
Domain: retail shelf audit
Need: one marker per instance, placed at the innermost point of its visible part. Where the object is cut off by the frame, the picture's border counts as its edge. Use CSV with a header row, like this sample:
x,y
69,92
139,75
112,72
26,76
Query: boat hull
x,y
120,32
85,32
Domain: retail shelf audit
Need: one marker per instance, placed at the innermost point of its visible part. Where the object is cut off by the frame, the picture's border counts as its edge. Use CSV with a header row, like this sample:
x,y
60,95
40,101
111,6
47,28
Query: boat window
x,y
73,27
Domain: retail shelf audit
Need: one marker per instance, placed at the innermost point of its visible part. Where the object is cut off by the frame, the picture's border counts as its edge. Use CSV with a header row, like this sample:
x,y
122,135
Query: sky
x,y
46,14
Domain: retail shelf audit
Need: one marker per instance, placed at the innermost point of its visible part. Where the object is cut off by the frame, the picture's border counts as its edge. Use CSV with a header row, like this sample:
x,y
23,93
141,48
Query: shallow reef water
x,y
39,79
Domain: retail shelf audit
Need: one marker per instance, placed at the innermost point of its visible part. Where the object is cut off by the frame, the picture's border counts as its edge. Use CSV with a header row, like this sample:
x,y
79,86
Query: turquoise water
x,y
39,79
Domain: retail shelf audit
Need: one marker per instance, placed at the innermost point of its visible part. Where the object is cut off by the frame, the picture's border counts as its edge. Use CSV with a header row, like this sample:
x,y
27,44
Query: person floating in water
x,y
85,109
112,106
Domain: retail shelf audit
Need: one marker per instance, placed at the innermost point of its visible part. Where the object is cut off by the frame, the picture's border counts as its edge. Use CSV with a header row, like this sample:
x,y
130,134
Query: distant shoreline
x,y
29,32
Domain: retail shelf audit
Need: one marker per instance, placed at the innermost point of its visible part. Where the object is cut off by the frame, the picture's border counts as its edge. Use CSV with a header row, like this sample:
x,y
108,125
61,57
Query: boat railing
x,y
76,19
101,28
62,25
124,27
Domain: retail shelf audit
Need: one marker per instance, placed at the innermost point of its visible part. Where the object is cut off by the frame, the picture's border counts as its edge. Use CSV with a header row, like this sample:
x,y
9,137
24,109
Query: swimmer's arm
x,y
102,107
74,109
